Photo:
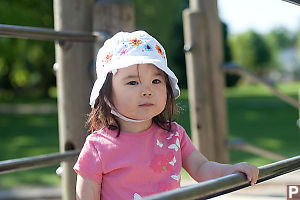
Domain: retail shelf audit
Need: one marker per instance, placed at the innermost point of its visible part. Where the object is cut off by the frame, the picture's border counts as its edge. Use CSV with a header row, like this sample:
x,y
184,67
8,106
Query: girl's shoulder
x,y
99,132
103,133
102,139
176,127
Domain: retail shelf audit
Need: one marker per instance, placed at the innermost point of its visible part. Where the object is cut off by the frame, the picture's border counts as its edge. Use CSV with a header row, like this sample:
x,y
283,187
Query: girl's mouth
x,y
146,105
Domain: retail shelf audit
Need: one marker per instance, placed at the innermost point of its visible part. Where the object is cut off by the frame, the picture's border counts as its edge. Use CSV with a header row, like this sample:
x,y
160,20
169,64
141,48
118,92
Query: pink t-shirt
x,y
134,165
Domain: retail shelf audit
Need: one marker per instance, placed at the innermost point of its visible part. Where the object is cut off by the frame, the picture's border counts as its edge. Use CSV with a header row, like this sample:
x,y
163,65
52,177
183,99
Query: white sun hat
x,y
126,49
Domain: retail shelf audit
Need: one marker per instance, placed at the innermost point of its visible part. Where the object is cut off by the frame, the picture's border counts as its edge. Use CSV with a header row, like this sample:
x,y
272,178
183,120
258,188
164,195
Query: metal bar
x,y
36,161
296,2
235,69
244,146
229,183
15,31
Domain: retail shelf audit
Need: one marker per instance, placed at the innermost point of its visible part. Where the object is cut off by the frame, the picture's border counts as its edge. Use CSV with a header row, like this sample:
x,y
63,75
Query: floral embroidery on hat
x,y
159,50
134,42
108,57
123,52
148,47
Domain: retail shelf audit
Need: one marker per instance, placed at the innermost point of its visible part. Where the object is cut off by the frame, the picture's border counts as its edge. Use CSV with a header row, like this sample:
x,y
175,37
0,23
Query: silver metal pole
x,y
19,164
49,34
229,183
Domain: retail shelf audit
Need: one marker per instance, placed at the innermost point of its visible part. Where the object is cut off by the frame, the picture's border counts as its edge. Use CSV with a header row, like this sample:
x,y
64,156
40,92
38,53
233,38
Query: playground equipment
x,y
75,46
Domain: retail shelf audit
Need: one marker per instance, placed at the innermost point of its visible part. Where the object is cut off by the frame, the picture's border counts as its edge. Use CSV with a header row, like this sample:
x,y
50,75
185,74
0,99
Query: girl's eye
x,y
132,83
156,81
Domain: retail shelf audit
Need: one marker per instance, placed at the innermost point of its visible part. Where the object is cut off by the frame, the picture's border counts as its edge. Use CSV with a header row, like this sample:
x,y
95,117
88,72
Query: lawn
x,y
254,115
28,135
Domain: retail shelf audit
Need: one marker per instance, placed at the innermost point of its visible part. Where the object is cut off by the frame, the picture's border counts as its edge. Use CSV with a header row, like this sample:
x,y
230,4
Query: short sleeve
x,y
187,146
89,161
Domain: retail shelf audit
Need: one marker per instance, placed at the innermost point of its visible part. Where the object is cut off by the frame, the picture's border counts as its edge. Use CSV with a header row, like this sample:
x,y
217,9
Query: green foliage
x,y
251,50
231,79
280,38
26,64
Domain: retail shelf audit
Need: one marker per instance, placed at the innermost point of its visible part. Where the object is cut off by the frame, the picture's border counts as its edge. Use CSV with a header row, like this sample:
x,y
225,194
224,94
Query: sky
x,y
259,15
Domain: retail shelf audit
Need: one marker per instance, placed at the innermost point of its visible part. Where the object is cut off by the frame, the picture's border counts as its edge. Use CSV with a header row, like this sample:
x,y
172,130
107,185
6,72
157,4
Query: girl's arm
x,y
87,189
201,169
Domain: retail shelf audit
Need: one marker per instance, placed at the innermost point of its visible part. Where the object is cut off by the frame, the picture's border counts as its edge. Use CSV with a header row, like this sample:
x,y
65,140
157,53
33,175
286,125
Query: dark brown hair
x,y
100,115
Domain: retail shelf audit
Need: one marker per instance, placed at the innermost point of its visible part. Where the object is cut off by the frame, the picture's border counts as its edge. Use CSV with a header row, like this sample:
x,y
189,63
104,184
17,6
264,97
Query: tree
x,y
231,79
280,38
26,65
251,50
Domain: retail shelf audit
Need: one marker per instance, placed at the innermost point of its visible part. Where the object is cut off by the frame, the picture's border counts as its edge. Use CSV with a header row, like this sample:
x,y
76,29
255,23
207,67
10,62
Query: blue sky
x,y
260,15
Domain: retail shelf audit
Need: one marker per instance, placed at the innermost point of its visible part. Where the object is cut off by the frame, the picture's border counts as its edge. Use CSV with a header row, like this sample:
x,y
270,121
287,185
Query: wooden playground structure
x,y
76,42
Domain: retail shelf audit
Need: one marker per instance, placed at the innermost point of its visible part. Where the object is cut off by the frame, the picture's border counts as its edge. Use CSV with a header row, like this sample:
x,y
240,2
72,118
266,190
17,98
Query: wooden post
x,y
73,82
113,16
198,82
203,40
216,59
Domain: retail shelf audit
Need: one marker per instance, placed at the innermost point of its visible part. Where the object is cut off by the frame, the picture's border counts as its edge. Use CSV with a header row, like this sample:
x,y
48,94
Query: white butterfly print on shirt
x,y
171,135
175,177
177,134
136,196
159,144
173,161
175,146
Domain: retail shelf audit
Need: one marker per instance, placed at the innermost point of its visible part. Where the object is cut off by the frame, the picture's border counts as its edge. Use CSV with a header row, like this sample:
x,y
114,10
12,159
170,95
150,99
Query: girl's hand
x,y
201,169
250,170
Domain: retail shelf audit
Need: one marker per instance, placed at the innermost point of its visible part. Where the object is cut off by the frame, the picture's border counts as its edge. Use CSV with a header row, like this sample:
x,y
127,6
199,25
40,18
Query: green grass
x,y
28,135
261,119
254,115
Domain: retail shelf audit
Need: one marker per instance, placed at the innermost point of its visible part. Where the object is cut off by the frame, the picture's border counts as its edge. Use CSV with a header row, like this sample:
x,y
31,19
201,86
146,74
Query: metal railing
x,y
236,69
229,183
240,144
50,34
15,31
296,2
36,161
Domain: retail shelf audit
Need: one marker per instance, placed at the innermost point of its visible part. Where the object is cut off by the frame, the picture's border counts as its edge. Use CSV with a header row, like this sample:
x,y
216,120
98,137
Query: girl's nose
x,y
146,92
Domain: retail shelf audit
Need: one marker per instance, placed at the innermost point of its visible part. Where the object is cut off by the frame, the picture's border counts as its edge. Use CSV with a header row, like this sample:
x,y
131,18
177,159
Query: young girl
x,y
135,149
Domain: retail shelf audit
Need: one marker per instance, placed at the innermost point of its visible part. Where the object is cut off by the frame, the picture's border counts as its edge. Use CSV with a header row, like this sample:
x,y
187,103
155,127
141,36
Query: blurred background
x,y
260,35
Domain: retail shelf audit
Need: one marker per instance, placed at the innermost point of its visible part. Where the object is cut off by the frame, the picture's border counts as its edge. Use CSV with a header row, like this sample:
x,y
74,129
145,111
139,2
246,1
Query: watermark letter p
x,y
293,192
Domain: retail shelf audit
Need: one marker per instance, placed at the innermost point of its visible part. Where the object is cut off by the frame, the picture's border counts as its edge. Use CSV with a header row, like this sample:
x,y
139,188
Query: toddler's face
x,y
139,91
